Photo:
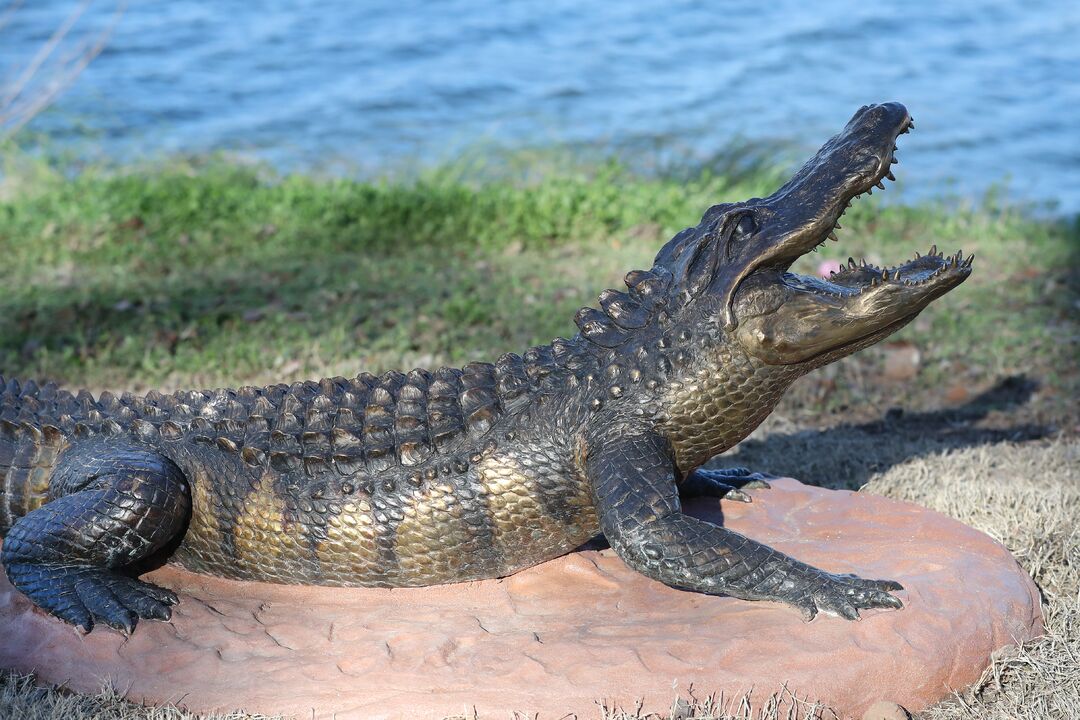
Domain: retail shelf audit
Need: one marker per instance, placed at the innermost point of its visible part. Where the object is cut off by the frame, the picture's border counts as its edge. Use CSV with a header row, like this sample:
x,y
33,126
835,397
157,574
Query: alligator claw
x,y
734,493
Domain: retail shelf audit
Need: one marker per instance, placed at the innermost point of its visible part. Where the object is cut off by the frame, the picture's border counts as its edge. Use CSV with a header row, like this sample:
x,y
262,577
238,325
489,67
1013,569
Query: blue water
x,y
994,86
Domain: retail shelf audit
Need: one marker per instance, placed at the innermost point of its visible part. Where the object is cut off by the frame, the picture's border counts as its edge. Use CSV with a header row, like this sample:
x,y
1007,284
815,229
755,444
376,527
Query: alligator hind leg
x,y
113,504
726,483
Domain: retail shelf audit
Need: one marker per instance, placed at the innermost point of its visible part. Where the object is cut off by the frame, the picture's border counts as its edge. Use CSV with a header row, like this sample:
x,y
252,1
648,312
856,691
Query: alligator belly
x,y
499,516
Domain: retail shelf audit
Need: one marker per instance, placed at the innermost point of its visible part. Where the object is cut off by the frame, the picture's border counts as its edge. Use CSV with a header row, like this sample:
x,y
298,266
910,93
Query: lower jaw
x,y
871,338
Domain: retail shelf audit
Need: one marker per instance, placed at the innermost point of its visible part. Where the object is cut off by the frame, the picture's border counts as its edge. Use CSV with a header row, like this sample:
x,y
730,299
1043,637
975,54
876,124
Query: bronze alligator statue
x,y
460,474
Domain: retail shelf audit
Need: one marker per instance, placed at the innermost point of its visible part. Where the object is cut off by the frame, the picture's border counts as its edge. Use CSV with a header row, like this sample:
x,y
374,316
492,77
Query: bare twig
x,y
29,93
43,54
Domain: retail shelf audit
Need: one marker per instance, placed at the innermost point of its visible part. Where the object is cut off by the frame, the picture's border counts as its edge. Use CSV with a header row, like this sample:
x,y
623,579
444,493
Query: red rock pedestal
x,y
559,637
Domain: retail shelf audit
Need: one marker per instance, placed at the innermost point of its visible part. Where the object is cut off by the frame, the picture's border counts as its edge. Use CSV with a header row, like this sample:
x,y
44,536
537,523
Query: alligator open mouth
x,y
857,277
805,212
816,318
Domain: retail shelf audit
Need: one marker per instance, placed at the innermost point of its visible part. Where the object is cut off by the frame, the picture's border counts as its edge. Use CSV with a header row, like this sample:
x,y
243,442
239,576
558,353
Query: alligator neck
x,y
718,398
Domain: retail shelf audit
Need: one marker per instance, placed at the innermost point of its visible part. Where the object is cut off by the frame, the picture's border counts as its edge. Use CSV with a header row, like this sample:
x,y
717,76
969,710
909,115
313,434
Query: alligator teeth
x,y
933,250
971,259
851,263
894,161
880,185
917,255
838,226
884,274
890,176
832,236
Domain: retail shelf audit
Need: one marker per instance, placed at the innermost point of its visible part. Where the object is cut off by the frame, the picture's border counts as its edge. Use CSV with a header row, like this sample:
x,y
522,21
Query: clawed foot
x,y
82,595
726,484
845,595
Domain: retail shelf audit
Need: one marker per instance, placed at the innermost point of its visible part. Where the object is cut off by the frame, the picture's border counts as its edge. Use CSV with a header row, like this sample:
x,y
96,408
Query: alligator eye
x,y
746,225
744,228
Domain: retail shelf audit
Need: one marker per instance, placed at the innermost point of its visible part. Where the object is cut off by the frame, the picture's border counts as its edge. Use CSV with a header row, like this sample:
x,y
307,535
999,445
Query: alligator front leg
x,y
114,504
726,483
638,503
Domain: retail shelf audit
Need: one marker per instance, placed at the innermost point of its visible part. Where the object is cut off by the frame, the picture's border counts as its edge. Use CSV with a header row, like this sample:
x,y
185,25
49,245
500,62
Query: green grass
x,y
212,272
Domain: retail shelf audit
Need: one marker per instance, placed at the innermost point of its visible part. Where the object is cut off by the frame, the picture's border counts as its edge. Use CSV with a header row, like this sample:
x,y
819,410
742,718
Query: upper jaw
x,y
805,212
867,288
851,164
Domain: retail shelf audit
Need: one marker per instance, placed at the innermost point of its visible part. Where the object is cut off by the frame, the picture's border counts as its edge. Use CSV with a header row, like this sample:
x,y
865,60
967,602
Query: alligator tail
x,y
28,451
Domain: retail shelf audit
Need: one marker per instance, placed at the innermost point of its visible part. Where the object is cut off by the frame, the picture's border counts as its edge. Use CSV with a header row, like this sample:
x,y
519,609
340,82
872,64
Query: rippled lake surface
x,y
994,86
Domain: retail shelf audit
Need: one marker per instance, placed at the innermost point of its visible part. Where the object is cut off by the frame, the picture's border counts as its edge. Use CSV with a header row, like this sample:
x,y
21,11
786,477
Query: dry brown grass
x,y
21,699
1024,494
1027,497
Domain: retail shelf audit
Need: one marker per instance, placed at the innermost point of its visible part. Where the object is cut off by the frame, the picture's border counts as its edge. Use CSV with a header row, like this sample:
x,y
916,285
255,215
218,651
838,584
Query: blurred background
x,y
363,86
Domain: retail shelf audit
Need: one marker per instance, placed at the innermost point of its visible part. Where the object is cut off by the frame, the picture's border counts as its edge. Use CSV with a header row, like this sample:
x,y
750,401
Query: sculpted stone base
x,y
557,638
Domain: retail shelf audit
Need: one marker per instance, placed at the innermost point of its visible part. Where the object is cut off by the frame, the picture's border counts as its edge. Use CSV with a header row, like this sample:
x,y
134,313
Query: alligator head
x,y
737,259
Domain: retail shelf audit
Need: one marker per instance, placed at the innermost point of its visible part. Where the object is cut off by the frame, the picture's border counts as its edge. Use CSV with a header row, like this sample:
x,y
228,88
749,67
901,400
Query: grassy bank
x,y
212,273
